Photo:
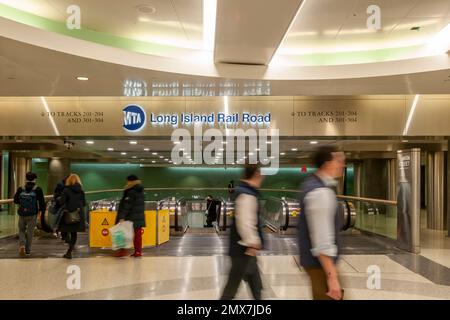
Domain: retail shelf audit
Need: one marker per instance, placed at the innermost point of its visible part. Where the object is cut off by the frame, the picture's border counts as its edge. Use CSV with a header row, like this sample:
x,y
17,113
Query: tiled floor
x,y
200,278
171,273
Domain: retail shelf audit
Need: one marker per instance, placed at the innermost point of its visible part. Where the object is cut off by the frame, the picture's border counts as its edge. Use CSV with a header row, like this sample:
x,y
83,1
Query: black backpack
x,y
28,205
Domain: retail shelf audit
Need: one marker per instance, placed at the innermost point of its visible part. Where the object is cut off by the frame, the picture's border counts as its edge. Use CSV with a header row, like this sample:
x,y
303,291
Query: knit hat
x,y
132,177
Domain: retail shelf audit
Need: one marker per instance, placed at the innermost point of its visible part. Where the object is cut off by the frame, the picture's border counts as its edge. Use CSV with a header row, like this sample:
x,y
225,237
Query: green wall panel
x,y
112,176
40,167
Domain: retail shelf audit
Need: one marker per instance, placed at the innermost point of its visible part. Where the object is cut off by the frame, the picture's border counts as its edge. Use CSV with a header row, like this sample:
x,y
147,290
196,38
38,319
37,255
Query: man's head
x,y
31,176
252,175
329,160
132,178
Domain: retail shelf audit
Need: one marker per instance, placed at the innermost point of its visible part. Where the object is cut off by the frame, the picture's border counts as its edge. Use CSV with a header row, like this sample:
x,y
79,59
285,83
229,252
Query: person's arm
x,y
62,198
40,199
17,195
83,199
246,221
127,205
320,213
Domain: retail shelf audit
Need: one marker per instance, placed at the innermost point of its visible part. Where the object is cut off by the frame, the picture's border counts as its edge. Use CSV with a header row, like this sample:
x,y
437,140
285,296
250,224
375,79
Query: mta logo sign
x,y
133,118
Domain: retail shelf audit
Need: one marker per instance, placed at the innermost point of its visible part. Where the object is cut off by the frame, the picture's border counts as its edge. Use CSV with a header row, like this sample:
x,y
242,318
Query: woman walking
x,y
73,220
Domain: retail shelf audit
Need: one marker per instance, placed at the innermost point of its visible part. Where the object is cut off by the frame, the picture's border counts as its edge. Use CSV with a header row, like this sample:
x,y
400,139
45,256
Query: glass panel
x,y
377,218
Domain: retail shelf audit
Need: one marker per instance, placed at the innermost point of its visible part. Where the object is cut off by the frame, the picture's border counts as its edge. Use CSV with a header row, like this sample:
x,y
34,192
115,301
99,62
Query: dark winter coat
x,y
132,205
73,198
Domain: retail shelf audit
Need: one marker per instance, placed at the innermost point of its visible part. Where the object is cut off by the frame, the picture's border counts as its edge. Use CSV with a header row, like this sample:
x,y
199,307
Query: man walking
x,y
245,235
319,224
30,199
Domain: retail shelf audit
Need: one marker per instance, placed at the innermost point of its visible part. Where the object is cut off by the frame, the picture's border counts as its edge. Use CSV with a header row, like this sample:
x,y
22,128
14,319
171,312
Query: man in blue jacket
x,y
319,224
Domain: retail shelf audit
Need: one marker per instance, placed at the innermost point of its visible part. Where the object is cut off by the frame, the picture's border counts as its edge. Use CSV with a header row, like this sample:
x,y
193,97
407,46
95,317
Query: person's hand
x,y
334,288
252,250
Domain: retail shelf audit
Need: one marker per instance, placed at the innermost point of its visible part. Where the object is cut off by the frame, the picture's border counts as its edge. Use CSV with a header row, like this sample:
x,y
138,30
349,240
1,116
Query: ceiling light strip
x,y
411,114
52,121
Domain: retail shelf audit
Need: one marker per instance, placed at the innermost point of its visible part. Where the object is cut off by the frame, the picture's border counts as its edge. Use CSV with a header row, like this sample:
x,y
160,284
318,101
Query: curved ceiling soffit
x,y
91,50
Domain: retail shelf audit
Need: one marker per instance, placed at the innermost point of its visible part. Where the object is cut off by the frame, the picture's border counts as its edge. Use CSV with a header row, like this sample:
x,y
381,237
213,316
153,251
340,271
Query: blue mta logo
x,y
133,118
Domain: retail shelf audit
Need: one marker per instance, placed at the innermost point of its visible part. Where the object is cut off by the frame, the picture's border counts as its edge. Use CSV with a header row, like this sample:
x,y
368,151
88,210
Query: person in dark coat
x,y
72,199
30,199
132,208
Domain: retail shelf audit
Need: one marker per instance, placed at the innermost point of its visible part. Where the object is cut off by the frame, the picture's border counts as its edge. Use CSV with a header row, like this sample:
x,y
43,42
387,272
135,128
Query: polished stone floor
x,y
172,272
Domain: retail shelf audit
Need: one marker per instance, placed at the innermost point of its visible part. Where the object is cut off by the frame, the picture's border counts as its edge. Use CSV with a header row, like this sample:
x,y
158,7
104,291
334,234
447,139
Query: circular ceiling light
x,y
145,9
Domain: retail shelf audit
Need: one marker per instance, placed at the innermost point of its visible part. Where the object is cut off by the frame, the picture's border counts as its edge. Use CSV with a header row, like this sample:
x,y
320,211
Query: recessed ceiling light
x,y
314,142
110,149
81,78
153,161
134,157
146,149
294,149
145,9
176,142
154,153
282,153
19,140
90,142
123,153
161,157
251,153
166,159
133,142
272,157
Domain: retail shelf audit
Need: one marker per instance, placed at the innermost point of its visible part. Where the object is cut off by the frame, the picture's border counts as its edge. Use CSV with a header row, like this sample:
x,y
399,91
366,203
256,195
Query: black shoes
x,y
68,254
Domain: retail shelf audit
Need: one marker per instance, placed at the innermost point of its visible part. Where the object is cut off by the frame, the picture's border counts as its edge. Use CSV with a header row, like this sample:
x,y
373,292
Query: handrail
x,y
381,201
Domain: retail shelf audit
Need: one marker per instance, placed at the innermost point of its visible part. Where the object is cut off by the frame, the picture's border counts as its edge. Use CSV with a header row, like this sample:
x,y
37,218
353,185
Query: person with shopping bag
x,y
131,208
72,202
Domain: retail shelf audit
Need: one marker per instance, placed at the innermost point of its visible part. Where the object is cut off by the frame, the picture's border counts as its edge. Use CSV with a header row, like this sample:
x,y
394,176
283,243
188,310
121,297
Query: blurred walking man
x,y
319,224
245,235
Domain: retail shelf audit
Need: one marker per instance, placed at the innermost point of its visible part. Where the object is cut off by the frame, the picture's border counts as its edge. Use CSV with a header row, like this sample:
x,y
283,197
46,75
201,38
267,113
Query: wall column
x,y
447,187
19,166
58,169
435,206
392,179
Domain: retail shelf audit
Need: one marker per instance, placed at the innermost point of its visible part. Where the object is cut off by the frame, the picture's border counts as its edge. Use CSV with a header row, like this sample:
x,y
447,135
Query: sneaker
x,y
136,255
22,251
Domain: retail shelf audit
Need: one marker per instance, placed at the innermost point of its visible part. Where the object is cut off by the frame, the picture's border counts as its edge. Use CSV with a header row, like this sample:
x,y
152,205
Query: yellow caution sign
x,y
101,220
149,232
99,223
163,226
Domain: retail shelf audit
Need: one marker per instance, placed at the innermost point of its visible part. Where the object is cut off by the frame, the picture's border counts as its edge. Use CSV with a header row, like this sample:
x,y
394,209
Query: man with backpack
x,y
30,199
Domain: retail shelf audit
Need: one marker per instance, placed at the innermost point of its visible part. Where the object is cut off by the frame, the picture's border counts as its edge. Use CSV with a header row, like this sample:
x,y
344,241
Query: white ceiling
x,y
255,28
175,22
35,62
330,25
